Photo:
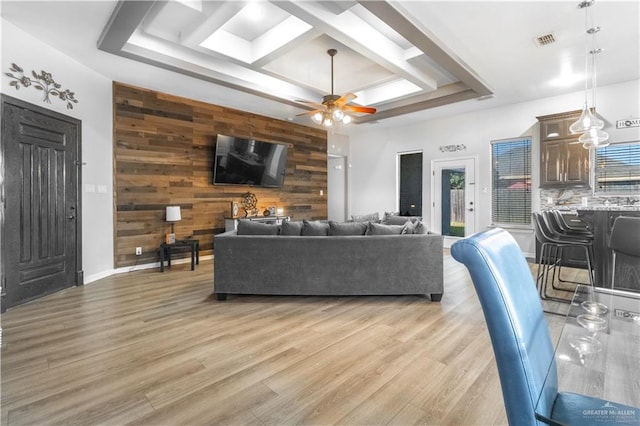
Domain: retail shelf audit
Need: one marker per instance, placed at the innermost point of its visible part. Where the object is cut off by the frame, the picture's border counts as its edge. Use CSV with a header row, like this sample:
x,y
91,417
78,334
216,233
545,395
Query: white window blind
x,y
511,181
617,168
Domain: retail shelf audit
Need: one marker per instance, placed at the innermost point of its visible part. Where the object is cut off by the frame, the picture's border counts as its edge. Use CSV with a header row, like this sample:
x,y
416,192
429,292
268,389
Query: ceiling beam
x,y
427,43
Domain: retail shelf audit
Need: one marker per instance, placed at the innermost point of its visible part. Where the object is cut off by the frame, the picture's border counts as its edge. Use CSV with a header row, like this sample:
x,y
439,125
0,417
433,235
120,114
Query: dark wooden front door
x,y
40,227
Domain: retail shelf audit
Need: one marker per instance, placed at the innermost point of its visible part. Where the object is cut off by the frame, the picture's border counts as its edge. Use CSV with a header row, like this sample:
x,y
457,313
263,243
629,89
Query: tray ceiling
x,y
277,50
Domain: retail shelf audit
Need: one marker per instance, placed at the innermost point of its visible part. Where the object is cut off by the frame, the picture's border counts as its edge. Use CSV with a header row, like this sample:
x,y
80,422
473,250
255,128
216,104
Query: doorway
x,y
410,184
337,188
453,207
40,223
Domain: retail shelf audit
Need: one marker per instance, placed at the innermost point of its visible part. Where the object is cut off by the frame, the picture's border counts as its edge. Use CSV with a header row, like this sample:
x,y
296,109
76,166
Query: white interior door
x,y
337,188
453,206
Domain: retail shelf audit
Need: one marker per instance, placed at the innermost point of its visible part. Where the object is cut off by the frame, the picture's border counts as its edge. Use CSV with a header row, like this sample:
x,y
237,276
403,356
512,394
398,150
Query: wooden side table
x,y
193,245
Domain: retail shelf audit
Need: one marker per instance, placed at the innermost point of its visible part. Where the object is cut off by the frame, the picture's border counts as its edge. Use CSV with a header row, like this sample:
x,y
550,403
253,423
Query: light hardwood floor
x,y
156,348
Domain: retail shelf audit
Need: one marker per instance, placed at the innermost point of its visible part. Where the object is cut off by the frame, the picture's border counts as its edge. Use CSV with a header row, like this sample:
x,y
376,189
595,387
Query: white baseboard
x,y
104,274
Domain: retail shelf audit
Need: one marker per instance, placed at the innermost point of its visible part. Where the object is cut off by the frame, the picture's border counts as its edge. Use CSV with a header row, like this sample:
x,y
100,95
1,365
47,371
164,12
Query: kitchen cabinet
x,y
563,160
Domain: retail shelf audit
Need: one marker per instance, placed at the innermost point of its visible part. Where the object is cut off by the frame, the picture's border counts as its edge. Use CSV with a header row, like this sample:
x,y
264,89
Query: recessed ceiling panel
x,y
255,19
310,66
169,19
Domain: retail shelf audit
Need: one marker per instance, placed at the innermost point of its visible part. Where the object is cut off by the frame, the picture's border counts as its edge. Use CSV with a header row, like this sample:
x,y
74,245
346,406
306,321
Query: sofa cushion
x,y
314,228
371,217
291,228
347,228
248,227
381,229
390,219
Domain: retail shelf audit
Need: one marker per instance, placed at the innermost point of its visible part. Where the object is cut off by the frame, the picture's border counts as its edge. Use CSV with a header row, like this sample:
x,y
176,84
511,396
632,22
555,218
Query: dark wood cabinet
x,y
563,160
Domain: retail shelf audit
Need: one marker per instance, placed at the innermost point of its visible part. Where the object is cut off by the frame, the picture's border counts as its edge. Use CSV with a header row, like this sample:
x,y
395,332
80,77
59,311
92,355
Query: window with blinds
x,y
511,181
617,168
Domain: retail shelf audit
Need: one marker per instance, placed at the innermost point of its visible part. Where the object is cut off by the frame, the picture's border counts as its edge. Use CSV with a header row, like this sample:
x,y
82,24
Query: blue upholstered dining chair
x,y
519,332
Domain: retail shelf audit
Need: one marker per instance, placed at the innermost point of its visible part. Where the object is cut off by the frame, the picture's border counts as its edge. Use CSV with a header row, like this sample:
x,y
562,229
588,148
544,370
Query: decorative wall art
x,y
453,148
43,81
249,203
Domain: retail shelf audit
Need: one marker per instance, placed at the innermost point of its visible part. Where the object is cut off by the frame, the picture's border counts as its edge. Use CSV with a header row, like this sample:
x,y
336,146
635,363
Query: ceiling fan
x,y
335,108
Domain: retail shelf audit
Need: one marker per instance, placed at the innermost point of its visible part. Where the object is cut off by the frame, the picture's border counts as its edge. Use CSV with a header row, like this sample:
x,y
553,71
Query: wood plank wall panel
x,y
163,155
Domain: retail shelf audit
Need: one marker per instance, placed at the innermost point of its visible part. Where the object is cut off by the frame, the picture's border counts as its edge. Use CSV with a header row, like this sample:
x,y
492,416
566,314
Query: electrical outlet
x,y
138,251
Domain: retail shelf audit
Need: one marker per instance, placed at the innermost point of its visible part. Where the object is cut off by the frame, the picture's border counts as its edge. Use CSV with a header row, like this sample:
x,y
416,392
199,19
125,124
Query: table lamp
x,y
173,215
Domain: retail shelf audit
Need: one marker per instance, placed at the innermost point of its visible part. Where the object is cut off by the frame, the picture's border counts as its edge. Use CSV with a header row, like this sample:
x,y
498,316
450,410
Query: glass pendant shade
x,y
586,122
594,138
328,121
338,114
346,119
317,117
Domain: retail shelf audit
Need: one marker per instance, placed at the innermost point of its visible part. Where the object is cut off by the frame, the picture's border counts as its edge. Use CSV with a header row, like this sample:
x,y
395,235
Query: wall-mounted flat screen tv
x,y
240,161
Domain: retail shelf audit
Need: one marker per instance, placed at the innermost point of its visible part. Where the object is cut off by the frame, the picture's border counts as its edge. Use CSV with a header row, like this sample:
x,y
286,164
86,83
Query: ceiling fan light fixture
x,y
318,117
335,108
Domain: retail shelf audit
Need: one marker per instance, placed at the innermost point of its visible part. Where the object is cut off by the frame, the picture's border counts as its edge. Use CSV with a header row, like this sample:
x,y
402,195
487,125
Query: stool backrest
x,y
625,236
625,244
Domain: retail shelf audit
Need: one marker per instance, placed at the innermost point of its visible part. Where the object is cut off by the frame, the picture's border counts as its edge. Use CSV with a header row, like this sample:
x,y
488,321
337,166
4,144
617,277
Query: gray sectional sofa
x,y
328,265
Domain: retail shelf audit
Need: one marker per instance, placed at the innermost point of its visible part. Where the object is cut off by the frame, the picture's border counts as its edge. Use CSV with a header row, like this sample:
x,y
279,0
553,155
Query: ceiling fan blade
x,y
308,112
314,104
345,99
363,109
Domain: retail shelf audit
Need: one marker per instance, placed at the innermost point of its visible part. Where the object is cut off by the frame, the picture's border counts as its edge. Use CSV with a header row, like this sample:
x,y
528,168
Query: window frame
x,y
527,178
594,175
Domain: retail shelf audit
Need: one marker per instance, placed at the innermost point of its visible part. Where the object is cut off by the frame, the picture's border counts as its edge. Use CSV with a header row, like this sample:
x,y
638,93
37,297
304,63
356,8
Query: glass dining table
x,y
598,353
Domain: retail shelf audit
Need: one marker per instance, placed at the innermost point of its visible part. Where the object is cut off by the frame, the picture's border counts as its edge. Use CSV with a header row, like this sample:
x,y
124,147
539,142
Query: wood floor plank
x,y
157,348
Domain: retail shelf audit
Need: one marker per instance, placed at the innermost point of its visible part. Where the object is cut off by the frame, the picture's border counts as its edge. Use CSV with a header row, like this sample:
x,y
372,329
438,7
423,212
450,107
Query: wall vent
x,y
545,39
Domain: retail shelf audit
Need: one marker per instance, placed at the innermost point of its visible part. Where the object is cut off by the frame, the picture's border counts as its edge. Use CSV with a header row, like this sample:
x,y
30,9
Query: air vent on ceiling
x,y
545,39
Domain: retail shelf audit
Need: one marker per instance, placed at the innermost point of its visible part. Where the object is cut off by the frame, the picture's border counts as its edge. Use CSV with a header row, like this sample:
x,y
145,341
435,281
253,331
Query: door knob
x,y
471,209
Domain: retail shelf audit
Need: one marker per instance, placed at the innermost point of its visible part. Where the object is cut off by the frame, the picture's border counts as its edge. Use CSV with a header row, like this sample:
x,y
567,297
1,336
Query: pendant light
x,y
588,124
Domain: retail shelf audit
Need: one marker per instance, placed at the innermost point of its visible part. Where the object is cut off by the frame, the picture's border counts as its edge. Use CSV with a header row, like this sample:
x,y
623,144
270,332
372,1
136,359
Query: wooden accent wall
x,y
164,153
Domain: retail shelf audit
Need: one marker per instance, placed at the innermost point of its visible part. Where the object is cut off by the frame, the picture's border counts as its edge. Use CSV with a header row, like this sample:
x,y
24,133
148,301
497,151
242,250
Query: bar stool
x,y
550,257
578,237
625,244
565,227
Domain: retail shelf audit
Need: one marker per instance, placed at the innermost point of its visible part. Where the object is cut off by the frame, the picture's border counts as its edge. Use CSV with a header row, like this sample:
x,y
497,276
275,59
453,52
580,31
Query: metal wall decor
x,y
43,81
453,148
249,203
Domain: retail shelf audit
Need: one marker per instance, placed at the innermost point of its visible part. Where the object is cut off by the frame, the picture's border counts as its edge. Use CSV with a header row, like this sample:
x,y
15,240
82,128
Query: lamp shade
x,y
173,213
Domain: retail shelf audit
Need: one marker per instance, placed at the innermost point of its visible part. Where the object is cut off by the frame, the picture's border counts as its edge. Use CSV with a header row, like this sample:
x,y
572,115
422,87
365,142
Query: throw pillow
x,y
371,217
420,228
408,228
399,220
347,228
314,228
291,228
380,229
247,227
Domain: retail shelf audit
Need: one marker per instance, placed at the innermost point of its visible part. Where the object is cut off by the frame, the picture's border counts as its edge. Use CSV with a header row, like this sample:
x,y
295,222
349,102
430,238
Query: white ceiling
x,y
406,58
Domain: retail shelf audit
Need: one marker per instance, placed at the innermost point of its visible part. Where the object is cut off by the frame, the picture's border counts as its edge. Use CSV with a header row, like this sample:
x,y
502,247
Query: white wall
x,y
93,92
373,149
